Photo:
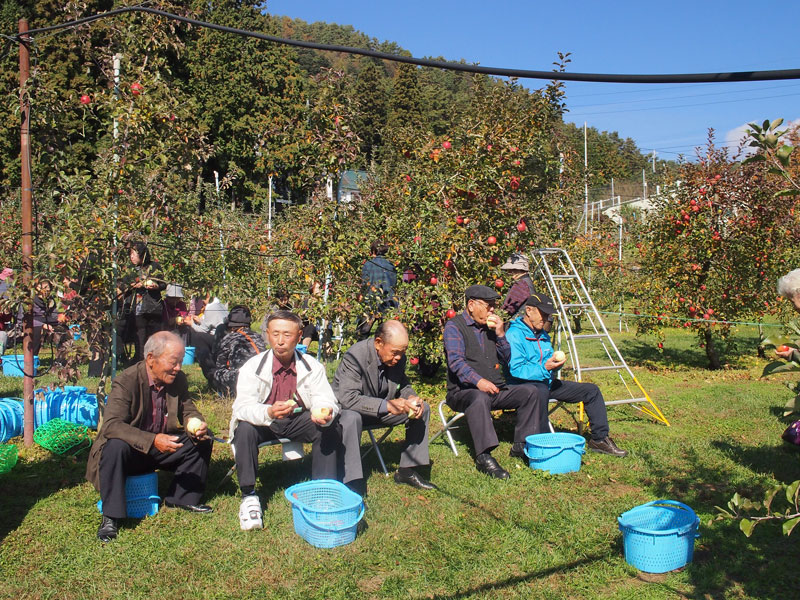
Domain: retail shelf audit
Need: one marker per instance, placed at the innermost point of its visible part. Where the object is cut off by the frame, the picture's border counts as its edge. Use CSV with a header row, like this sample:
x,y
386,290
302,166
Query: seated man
x,y
475,346
532,361
144,428
371,381
239,345
283,394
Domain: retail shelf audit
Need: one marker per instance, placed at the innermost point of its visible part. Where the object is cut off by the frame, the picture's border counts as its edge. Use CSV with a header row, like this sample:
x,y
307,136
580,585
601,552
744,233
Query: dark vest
x,y
484,360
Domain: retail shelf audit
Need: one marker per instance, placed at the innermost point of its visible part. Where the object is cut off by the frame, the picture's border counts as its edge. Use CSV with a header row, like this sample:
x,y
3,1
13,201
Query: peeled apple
x,y
559,356
193,424
320,413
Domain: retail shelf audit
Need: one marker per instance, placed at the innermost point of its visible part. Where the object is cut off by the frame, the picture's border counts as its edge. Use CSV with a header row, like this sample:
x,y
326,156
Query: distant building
x,y
350,185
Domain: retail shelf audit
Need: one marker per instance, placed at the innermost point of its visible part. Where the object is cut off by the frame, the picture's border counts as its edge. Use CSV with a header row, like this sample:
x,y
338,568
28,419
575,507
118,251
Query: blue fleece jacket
x,y
530,350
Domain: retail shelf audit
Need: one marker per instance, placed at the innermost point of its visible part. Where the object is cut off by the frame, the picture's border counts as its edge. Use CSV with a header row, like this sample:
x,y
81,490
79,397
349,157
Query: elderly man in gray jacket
x,y
371,381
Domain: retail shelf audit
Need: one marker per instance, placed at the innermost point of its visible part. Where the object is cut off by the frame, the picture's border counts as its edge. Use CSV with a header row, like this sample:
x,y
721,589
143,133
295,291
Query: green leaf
x,y
746,525
791,490
780,367
770,496
789,525
765,125
775,123
788,193
792,406
755,157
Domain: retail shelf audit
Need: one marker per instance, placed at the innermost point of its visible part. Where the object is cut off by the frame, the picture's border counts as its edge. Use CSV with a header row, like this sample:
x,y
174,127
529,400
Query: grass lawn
x,y
534,536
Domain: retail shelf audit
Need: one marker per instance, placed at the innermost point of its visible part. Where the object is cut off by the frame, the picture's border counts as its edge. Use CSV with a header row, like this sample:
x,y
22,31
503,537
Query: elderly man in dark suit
x,y
146,426
371,381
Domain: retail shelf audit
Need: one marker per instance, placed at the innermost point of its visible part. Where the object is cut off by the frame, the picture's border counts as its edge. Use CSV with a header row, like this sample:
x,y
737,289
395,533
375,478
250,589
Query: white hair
x,y
789,284
158,343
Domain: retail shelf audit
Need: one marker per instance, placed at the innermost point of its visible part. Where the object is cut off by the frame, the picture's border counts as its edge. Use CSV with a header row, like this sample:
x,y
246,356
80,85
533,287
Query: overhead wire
x,y
767,75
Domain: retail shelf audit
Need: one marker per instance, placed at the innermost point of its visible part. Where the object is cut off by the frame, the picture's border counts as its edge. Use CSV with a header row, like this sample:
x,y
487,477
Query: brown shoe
x,y
606,446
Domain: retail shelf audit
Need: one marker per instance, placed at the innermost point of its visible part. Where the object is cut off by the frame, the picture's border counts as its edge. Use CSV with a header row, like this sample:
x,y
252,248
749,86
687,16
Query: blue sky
x,y
607,37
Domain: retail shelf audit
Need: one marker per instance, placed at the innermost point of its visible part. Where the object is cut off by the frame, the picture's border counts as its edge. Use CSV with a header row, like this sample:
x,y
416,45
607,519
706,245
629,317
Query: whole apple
x,y
136,88
521,227
434,280
451,313
491,240
447,145
414,360
498,283
86,99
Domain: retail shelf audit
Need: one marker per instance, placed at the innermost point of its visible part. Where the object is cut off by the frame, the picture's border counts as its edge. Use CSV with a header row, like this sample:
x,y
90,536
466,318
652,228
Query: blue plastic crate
x,y
11,418
141,494
659,536
325,512
555,452
188,355
14,365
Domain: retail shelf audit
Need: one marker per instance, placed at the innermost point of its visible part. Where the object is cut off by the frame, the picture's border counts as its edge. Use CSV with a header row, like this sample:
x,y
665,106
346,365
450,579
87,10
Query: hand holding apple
x,y
321,415
559,356
785,352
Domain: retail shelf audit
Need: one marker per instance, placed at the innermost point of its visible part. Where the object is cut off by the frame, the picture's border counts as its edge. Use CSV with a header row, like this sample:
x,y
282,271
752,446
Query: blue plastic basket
x,y
11,418
73,404
325,512
555,452
188,355
141,495
659,536
14,365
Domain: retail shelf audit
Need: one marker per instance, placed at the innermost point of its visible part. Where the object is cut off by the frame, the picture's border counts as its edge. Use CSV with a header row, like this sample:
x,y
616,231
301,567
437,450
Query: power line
x,y
501,72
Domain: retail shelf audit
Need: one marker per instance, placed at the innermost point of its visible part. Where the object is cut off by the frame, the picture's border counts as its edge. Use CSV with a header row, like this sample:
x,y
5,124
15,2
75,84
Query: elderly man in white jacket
x,y
283,394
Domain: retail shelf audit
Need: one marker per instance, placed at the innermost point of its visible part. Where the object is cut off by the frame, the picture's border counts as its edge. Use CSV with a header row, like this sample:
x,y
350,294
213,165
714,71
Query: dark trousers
x,y
326,445
146,325
588,393
477,406
119,460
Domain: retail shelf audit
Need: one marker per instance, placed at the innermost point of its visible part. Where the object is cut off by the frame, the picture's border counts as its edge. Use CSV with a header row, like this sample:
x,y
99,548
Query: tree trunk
x,y
711,351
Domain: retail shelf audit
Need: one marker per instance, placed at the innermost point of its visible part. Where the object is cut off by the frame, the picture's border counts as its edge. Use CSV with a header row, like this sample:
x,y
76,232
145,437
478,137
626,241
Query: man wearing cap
x,y
517,267
475,346
238,346
532,362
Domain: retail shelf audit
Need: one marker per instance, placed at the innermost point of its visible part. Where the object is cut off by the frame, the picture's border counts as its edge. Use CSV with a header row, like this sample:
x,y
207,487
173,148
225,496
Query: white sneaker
x,y
250,513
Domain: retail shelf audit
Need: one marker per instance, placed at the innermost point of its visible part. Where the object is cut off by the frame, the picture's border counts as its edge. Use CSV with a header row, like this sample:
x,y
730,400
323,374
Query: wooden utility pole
x,y
27,228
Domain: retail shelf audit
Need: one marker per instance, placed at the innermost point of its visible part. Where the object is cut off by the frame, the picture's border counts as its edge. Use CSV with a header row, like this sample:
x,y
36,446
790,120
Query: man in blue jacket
x,y
532,362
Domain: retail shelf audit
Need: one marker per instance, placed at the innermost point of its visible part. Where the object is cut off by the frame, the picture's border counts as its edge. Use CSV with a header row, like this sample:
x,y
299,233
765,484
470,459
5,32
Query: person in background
x,y
532,362
48,321
517,267
238,346
146,426
789,288
6,318
379,278
175,313
142,289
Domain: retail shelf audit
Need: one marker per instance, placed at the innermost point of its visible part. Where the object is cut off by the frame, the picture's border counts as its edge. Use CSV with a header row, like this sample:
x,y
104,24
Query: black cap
x,y
542,302
480,292
239,317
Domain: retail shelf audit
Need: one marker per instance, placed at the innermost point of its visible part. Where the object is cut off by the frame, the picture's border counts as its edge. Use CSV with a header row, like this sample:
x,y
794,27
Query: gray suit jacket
x,y
356,381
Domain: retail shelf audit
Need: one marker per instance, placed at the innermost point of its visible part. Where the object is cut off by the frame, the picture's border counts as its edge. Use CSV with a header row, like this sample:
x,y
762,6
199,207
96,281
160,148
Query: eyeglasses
x,y
486,303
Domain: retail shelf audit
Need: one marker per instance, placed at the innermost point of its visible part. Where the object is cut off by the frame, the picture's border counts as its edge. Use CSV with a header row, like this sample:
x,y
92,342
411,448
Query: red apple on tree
x,y
448,263
414,360
451,313
434,280
446,145
460,220
521,227
491,240
498,283
136,88
86,99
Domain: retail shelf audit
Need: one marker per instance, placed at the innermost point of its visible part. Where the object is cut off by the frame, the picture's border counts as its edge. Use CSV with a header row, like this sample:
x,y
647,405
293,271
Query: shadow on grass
x,y
726,563
513,581
31,481
781,462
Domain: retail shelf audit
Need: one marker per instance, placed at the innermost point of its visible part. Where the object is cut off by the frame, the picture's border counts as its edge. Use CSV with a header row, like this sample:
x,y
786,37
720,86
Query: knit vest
x,y
484,360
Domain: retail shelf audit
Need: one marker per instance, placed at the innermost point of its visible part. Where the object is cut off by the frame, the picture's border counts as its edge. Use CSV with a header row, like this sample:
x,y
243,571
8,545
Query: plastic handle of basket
x,y
331,529
669,503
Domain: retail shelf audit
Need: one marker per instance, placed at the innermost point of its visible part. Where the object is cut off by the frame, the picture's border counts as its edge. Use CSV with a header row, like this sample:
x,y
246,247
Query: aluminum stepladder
x,y
564,285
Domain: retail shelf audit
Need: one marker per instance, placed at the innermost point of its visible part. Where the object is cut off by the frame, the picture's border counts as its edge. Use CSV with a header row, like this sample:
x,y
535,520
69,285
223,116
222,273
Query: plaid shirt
x,y
455,350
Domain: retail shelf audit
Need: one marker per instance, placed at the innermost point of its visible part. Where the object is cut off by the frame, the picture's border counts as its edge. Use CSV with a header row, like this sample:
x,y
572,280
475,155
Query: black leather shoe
x,y
517,450
606,446
197,508
485,463
108,529
414,479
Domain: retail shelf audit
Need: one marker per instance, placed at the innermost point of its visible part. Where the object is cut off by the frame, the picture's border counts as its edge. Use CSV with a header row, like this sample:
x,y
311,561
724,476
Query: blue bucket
x,y
188,355
325,512
14,365
141,495
555,452
11,418
659,536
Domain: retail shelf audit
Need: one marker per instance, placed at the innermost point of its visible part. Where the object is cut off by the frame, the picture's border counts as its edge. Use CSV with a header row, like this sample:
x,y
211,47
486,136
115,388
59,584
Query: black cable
x,y
438,64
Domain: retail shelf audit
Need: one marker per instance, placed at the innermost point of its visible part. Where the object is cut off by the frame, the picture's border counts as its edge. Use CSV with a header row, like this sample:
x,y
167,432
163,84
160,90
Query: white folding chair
x,y
448,425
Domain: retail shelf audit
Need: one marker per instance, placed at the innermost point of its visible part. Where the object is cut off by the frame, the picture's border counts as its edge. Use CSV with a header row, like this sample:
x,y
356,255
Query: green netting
x,y
8,457
60,437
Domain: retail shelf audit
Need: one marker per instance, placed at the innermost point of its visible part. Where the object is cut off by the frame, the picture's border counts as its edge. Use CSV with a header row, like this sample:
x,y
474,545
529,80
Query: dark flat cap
x,y
542,302
480,292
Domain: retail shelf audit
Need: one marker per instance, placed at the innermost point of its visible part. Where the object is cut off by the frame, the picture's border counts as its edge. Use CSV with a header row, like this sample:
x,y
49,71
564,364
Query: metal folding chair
x,y
376,442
